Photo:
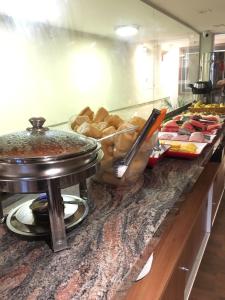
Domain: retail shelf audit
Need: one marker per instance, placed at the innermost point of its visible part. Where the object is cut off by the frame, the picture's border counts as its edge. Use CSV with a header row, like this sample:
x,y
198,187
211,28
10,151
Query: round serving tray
x,y
22,221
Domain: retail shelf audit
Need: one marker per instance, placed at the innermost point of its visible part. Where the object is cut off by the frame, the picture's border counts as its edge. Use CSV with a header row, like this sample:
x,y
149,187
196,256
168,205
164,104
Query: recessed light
x,y
205,11
127,30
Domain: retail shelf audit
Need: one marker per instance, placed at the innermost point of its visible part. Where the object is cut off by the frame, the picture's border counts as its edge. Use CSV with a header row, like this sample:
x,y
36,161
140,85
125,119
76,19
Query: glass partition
x,y
219,42
57,57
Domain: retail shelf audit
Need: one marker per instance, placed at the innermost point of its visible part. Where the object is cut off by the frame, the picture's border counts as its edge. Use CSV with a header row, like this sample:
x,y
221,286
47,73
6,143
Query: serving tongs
x,y
128,129
121,166
157,124
158,149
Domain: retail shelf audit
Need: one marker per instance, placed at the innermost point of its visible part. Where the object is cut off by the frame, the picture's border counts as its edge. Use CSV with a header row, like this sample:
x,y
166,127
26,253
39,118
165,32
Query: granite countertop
x,y
107,248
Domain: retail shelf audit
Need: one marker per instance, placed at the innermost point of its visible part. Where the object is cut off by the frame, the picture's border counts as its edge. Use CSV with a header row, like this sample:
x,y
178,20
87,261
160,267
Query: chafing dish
x,y
41,160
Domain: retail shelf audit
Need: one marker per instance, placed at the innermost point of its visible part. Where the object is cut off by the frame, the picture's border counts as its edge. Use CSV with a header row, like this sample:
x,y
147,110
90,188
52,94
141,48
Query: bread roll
x,y
124,141
137,121
80,120
118,154
127,125
87,112
106,165
75,127
101,125
89,130
100,115
114,120
107,131
107,160
110,150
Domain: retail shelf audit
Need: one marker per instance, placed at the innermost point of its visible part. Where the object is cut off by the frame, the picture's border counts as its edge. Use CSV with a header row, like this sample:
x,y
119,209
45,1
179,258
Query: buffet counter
x,y
109,248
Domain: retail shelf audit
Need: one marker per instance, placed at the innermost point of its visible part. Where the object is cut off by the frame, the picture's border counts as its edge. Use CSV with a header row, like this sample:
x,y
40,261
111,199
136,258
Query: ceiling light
x,y
126,30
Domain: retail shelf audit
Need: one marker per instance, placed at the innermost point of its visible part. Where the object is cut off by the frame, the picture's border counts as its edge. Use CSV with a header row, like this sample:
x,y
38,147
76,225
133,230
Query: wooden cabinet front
x,y
176,286
175,255
218,188
196,237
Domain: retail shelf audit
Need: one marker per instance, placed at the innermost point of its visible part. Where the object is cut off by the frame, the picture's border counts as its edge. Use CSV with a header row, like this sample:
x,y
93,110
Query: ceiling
x,y
203,15
100,17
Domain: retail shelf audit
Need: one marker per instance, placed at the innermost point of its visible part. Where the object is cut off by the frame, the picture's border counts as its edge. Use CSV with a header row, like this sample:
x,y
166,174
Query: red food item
x,y
211,118
170,129
214,131
187,125
197,137
177,118
180,137
170,126
198,124
213,126
171,123
195,117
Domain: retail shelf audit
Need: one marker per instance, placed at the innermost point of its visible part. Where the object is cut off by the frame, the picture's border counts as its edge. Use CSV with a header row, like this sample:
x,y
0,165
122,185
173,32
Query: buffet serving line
x,y
123,226
45,161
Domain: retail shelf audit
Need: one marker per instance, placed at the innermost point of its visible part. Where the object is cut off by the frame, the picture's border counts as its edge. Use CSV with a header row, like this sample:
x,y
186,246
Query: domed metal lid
x,y
38,143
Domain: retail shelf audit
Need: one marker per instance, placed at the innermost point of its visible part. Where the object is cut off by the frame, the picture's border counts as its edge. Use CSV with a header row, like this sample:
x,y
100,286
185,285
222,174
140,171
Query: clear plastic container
x,y
107,171
115,147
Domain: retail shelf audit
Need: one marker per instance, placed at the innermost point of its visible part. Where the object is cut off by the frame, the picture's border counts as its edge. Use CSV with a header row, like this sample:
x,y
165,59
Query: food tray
x,y
176,136
188,155
210,110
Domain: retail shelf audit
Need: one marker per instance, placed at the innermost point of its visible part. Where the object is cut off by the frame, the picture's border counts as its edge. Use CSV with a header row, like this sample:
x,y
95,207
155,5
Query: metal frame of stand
x,y
2,218
56,213
52,187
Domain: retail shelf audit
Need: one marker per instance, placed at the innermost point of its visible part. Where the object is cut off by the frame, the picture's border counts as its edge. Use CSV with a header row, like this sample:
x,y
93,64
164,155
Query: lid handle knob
x,y
37,124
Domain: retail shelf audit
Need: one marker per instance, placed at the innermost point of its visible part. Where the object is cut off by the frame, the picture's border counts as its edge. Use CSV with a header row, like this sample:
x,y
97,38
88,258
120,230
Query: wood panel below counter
x,y
178,255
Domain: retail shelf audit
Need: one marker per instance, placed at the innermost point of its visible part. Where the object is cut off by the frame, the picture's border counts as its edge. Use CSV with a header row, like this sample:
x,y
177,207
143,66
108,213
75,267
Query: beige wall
x,y
55,74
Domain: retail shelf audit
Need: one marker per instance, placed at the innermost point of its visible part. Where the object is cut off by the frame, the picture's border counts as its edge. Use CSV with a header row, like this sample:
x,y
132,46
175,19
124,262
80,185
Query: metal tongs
x,y
121,166
131,128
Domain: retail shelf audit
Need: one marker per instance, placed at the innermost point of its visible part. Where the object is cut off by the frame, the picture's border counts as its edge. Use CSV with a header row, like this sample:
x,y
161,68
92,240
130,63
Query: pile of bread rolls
x,y
102,124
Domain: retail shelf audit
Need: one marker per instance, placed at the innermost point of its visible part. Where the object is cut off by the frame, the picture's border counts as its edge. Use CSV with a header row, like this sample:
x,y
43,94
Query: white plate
x,y
199,146
176,135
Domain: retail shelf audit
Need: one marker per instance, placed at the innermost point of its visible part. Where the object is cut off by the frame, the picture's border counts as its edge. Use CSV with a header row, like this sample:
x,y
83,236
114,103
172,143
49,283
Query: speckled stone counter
x,y
107,250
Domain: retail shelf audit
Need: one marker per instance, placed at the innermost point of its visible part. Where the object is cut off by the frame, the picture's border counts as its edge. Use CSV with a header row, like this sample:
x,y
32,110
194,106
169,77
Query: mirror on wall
x,y
58,56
